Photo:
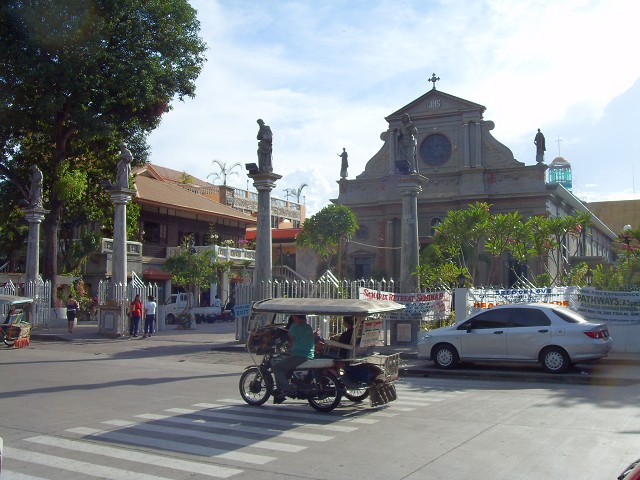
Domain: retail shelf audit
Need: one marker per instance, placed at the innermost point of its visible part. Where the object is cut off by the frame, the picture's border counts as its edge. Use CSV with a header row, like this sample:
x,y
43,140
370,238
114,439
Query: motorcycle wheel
x,y
356,394
255,388
329,394
7,340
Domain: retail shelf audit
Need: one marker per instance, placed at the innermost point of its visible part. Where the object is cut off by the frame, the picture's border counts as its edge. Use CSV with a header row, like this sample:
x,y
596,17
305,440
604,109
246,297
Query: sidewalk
x,y
616,369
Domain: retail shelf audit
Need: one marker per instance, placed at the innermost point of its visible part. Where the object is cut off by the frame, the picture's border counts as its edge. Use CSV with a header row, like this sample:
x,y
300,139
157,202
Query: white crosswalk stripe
x,y
76,466
232,421
228,431
161,443
11,475
274,412
147,458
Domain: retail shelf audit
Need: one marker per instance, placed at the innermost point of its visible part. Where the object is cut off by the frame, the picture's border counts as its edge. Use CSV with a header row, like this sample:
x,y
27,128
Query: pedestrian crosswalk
x,y
209,440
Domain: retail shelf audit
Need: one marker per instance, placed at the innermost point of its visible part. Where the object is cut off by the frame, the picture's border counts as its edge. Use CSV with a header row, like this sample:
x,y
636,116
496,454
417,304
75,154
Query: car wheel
x,y
445,356
555,360
171,318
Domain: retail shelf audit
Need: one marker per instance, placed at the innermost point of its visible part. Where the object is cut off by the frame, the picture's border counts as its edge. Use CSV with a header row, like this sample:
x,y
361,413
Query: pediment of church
x,y
437,103
451,136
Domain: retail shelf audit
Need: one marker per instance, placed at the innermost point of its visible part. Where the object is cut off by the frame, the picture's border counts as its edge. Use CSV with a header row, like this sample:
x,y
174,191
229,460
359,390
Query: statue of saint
x,y
265,147
123,169
35,190
540,146
406,162
345,163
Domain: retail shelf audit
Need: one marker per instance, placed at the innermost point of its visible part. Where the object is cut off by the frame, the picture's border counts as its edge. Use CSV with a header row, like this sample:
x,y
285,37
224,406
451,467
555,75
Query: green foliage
x,y
192,268
467,237
324,231
71,185
435,271
78,77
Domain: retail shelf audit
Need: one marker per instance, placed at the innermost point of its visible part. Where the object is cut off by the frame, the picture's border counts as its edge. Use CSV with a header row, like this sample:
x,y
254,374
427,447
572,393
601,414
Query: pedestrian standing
x,y
149,316
135,312
72,310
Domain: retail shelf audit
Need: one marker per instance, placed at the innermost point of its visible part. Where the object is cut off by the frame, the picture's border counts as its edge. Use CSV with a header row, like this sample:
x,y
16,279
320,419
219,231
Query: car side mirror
x,y
469,328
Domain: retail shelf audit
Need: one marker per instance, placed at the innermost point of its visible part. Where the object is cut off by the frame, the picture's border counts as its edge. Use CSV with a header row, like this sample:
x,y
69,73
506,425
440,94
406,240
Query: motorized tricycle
x,y
15,329
351,370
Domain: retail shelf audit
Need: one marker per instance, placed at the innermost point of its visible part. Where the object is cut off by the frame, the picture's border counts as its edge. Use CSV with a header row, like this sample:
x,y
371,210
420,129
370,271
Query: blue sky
x,y
324,74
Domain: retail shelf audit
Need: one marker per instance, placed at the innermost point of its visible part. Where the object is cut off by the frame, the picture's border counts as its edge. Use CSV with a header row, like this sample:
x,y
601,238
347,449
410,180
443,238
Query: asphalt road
x,y
168,407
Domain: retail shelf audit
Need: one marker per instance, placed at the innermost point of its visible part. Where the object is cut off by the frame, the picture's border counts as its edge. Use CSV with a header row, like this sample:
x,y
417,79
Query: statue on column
x,y
540,146
265,147
35,190
123,169
345,163
406,162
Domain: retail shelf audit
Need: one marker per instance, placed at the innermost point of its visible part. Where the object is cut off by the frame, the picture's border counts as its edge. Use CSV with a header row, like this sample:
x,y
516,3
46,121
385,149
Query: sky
x,y
323,74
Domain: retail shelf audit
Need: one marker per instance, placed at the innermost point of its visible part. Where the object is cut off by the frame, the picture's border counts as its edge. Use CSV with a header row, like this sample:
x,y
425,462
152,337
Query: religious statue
x,y
265,147
35,190
540,146
406,161
123,169
345,164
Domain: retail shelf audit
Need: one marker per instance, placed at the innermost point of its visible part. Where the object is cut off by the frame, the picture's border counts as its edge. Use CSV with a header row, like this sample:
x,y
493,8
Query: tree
x,y
78,77
324,231
465,237
225,172
193,269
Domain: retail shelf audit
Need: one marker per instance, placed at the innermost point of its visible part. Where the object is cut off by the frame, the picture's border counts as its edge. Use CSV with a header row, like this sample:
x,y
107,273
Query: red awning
x,y
156,274
276,234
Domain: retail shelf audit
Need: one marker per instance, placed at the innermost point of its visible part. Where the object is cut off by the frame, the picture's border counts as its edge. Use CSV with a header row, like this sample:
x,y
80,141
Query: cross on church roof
x,y
434,79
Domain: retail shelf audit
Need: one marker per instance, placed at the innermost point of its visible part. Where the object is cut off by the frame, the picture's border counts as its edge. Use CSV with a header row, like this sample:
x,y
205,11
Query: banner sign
x,y
427,306
480,299
606,306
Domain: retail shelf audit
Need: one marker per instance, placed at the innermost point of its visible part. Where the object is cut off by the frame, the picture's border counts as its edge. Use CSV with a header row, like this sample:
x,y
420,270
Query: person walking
x,y
149,316
72,311
135,312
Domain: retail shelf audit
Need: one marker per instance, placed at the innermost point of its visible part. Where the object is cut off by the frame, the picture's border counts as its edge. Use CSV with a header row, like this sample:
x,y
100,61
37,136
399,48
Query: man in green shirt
x,y
302,348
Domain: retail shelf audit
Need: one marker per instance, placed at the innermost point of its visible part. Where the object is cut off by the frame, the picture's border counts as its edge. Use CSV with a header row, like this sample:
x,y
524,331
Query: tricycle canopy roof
x,y
14,300
325,306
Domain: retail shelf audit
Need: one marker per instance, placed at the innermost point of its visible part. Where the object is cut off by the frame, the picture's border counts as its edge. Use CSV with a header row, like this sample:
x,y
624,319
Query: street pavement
x,y
616,369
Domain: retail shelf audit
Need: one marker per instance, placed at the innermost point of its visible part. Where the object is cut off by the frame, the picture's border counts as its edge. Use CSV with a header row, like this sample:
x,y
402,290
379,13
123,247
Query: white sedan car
x,y
554,336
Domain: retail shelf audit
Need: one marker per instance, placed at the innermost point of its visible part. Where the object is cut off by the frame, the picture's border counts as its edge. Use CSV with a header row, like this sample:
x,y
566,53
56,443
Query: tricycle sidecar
x,y
339,368
15,328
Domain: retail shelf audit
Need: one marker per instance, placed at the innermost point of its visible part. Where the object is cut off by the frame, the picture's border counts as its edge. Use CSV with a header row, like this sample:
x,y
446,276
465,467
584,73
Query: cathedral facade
x,y
456,162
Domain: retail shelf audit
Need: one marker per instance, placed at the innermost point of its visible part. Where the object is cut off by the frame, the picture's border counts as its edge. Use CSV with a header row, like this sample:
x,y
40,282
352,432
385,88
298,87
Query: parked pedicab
x,y
16,328
322,381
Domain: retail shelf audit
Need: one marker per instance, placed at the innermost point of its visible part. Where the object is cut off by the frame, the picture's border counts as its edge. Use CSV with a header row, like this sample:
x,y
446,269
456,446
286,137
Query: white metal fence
x,y
40,291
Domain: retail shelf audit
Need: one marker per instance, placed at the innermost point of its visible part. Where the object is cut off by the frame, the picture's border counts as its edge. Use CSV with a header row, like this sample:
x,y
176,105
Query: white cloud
x,y
324,74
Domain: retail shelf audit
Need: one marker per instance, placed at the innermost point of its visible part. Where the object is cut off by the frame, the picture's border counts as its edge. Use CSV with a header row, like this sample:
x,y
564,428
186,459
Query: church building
x,y
456,163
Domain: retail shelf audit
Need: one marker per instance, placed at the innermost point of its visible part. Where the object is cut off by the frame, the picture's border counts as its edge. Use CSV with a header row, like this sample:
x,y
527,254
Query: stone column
x,y
410,188
113,319
264,182
34,216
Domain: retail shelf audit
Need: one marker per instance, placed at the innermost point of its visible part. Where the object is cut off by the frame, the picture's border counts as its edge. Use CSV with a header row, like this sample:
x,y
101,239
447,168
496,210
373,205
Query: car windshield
x,y
569,316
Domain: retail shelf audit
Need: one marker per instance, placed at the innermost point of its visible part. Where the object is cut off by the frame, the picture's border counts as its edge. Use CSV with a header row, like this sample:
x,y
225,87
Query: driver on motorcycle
x,y
302,342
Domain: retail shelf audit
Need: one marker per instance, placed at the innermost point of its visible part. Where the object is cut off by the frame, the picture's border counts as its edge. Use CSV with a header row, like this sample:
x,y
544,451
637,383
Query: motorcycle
x,y
321,381
312,380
